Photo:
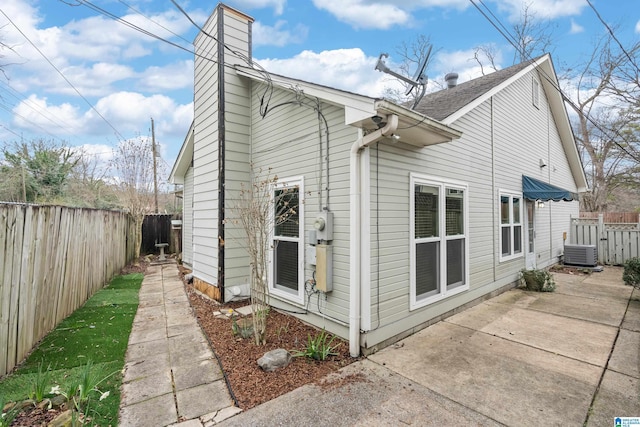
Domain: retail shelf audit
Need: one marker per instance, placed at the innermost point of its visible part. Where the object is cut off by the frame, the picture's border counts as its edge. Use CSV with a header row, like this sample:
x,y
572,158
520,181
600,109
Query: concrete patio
x,y
565,358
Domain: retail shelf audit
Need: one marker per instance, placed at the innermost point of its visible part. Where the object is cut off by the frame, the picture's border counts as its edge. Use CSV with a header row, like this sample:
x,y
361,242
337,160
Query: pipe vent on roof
x,y
451,79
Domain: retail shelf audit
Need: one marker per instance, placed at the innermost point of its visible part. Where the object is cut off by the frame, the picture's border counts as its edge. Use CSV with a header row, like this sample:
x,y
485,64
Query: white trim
x,y
511,195
442,185
281,293
184,159
535,92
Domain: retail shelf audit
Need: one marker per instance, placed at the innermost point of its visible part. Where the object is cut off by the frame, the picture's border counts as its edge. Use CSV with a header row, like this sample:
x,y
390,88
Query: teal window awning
x,y
534,189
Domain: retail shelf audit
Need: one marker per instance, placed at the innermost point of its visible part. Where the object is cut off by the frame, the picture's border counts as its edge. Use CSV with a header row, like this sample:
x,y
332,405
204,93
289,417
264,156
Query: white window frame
x,y
442,185
286,294
535,92
511,225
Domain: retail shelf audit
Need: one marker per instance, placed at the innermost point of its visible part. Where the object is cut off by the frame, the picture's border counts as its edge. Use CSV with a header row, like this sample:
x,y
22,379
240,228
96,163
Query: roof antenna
x,y
419,78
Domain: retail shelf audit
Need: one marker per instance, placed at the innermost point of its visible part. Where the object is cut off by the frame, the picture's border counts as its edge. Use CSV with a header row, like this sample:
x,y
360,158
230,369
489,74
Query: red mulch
x,y
249,383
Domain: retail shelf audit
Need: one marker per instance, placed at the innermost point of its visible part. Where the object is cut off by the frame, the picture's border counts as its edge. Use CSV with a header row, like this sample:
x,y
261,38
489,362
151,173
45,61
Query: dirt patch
x,y
331,383
138,266
250,385
570,269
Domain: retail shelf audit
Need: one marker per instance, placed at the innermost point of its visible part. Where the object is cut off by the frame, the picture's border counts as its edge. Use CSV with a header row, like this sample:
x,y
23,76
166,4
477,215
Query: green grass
x,y
97,332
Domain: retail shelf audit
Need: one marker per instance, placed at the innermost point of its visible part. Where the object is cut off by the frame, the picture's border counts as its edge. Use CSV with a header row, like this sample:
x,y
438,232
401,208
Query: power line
x,y
17,95
613,36
151,20
7,109
9,130
148,33
554,84
264,105
63,76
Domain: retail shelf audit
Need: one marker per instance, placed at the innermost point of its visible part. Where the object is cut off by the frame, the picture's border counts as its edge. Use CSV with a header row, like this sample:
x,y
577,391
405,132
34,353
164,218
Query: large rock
x,y
275,359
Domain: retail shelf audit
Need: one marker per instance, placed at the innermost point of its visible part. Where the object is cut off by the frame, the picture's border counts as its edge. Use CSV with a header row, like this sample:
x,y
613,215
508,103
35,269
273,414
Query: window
x,y
535,95
438,249
510,226
287,263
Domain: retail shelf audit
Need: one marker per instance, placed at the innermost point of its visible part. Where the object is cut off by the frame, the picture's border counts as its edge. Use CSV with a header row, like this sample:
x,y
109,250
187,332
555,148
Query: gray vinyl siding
x,y
207,143
187,218
503,138
287,141
237,147
205,157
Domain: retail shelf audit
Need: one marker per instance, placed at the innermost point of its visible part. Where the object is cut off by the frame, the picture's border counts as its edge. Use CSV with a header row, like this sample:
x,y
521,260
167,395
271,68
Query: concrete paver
x,y
617,397
578,339
197,401
171,376
494,376
154,412
581,306
632,319
624,358
145,388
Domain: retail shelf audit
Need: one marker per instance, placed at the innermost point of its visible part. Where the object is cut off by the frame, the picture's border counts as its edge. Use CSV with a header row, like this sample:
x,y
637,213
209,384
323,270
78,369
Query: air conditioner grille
x,y
586,255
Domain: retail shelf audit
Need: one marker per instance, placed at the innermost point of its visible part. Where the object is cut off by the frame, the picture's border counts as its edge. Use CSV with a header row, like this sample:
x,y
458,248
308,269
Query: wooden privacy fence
x,y
52,259
156,228
616,241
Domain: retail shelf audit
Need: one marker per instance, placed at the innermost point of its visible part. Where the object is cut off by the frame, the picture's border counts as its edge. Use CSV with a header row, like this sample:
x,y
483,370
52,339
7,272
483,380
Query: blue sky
x,y
120,78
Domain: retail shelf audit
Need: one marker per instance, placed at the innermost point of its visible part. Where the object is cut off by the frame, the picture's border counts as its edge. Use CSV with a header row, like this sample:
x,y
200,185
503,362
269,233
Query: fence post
x,y
602,241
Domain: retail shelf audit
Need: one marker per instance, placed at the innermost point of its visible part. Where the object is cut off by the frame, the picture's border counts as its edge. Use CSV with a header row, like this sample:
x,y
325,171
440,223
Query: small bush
x,y
537,280
631,274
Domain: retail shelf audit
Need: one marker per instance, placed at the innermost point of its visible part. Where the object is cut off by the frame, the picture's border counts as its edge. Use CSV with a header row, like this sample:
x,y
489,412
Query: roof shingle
x,y
440,105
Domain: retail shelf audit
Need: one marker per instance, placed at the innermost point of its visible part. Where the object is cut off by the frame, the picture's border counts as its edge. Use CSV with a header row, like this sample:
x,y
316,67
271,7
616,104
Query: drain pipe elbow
x,y
355,249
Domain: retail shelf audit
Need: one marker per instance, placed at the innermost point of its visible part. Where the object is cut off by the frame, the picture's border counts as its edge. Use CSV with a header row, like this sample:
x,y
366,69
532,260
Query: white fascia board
x,y
185,156
357,107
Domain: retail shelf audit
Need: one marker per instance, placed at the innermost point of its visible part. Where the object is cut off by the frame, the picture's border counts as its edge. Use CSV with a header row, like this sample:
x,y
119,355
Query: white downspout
x,y
355,236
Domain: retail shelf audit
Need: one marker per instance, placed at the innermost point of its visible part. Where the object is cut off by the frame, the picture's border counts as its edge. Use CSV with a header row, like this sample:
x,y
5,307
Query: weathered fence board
x,y
613,217
52,259
156,228
616,241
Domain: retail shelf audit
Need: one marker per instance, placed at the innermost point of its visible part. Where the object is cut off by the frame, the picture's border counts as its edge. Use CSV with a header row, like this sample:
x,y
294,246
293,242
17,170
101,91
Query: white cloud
x,y
576,28
382,14
347,69
353,71
277,5
542,9
36,114
128,112
638,27
365,14
178,75
278,35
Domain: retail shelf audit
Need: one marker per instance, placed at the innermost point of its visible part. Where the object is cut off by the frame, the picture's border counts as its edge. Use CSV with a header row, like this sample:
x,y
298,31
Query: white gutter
x,y
355,249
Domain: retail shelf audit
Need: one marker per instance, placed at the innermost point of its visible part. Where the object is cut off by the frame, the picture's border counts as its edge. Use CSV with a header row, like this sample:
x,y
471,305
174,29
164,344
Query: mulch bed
x,y
249,384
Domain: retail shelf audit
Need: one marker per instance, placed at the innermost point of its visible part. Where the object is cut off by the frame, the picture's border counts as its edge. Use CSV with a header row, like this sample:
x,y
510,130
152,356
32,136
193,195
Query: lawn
x,y
95,336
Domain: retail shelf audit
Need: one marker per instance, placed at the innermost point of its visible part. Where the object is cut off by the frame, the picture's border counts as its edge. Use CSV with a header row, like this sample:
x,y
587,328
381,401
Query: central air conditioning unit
x,y
585,255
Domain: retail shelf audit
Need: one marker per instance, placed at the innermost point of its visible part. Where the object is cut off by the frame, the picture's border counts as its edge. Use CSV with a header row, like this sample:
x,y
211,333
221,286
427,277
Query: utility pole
x,y
155,174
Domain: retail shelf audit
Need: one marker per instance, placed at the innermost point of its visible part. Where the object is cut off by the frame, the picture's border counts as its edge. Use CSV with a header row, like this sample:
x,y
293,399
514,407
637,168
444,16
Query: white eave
x,y
414,128
184,159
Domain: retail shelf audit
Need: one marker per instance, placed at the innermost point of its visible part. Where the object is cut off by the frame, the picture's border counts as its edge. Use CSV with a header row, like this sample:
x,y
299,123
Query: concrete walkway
x,y
171,375
522,358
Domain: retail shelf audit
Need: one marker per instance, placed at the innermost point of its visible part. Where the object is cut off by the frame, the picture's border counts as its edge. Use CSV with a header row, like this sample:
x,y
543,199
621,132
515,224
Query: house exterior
x,y
402,216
